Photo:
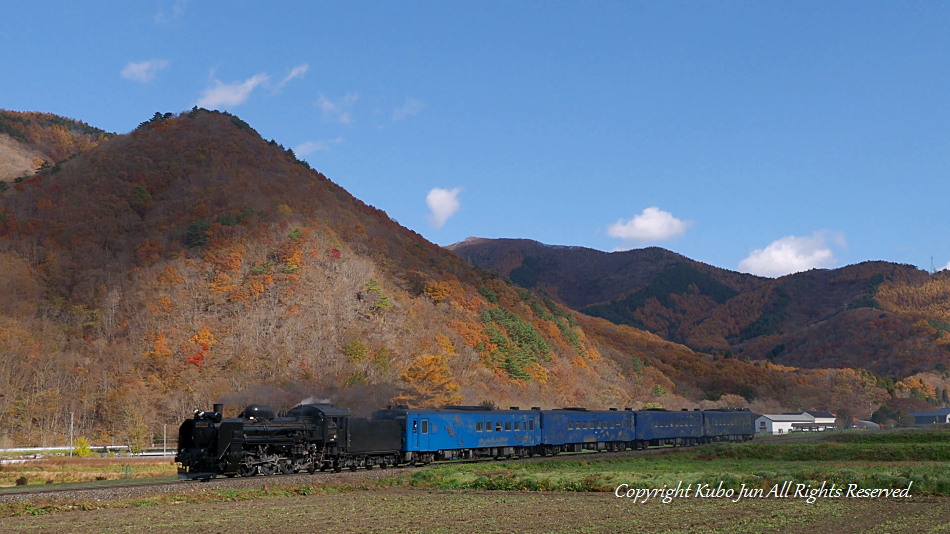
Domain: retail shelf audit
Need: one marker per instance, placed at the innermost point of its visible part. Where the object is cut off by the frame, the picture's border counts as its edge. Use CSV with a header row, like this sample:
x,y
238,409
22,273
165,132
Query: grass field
x,y
60,470
571,494
432,512
869,461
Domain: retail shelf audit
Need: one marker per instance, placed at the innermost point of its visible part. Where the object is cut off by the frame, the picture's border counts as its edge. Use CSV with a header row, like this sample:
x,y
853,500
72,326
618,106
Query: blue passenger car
x,y
729,425
661,427
465,432
576,429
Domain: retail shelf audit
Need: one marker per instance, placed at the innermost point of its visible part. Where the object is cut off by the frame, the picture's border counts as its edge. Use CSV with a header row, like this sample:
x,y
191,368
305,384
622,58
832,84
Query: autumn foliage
x,y
191,261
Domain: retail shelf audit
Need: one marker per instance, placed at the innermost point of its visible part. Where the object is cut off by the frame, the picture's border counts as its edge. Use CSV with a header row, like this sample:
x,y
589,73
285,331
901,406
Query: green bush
x,y
82,448
196,236
518,342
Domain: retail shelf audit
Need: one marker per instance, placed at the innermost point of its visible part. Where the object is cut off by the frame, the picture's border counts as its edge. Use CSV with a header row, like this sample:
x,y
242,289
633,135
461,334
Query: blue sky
x,y
764,137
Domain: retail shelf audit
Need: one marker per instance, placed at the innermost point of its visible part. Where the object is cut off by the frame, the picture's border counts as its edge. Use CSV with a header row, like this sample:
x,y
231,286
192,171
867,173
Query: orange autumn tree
x,y
431,383
203,341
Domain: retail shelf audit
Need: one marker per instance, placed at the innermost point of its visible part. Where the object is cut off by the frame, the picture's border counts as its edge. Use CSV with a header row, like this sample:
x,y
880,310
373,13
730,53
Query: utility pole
x,y
70,434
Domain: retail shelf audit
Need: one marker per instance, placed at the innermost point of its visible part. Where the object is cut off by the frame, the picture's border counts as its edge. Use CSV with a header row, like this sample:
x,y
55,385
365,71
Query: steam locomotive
x,y
312,437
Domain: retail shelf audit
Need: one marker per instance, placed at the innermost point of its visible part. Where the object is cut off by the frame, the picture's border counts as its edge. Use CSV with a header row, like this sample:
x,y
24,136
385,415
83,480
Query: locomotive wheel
x,y
246,470
268,469
287,468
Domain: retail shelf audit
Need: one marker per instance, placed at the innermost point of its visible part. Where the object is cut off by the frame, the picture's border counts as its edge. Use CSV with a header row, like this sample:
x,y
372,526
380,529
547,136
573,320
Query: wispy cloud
x,y
793,254
309,147
650,226
409,108
230,94
295,73
443,203
144,71
339,110
174,14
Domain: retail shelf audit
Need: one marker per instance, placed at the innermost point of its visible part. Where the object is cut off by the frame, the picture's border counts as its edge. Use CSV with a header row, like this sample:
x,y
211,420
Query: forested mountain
x,y
191,261
893,320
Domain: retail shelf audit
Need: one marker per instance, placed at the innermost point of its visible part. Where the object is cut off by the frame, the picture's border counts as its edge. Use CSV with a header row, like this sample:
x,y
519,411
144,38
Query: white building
x,y
823,420
778,423
802,422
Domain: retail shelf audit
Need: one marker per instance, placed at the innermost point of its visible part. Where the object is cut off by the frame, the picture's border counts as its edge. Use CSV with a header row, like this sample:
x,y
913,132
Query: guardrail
x,y
98,449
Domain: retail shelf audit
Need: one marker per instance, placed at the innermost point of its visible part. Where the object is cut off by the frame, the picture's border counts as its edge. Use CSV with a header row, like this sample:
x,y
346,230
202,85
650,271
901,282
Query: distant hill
x,y
30,140
847,317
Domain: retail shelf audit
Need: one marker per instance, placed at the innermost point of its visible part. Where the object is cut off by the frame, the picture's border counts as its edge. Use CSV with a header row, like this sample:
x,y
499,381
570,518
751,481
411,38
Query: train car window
x,y
425,426
570,425
532,424
478,427
415,427
488,426
497,426
507,425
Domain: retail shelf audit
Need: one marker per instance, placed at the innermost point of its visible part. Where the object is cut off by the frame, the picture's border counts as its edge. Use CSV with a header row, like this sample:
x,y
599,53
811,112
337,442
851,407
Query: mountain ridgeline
x,y
887,318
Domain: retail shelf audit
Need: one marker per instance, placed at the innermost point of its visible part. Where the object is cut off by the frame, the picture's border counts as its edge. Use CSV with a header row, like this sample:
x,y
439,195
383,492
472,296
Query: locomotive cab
x,y
206,443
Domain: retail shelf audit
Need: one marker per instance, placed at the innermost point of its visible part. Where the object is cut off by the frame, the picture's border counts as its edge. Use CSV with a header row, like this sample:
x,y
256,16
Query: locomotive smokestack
x,y
219,408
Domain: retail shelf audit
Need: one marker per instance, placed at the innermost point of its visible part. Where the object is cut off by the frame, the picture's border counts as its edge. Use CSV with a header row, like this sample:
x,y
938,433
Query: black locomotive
x,y
313,437
309,437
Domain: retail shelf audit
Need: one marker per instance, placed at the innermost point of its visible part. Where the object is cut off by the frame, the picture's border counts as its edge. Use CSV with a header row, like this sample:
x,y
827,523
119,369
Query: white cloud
x,y
650,226
409,108
231,94
296,72
945,267
443,203
144,71
339,110
792,254
309,147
